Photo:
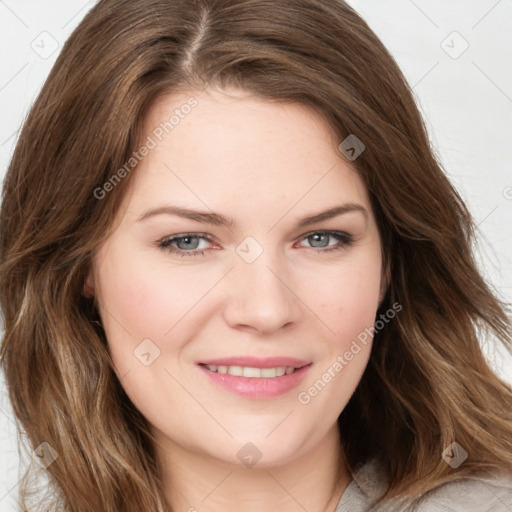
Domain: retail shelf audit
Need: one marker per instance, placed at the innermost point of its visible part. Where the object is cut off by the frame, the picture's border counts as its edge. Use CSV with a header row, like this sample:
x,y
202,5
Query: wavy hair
x,y
427,383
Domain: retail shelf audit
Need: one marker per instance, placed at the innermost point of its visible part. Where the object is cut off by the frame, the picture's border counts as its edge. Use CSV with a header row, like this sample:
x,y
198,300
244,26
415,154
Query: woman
x,y
234,276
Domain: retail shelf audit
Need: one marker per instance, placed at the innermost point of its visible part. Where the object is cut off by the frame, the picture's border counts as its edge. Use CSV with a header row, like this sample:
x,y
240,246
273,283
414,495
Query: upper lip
x,y
257,362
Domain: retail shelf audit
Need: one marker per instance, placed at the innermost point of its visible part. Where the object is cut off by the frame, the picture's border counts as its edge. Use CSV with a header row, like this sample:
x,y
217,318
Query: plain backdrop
x,y
457,56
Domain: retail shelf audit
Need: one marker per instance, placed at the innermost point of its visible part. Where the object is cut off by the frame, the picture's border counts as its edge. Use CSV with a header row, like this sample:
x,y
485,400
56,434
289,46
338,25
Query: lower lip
x,y
258,387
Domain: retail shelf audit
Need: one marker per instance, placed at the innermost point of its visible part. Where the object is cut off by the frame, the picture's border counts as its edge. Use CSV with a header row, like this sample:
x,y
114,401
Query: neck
x,y
196,481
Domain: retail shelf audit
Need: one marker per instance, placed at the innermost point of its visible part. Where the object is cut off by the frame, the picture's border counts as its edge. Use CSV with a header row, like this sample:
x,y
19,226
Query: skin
x,y
265,165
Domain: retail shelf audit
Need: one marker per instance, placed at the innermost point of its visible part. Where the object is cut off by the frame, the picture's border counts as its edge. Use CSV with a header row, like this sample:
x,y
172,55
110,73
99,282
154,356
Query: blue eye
x,y
322,239
189,244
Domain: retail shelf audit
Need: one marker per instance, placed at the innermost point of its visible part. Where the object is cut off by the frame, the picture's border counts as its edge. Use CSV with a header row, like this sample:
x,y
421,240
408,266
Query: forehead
x,y
232,151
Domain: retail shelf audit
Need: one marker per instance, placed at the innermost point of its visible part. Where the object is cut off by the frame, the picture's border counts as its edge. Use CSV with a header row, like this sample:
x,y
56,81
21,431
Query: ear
x,y
89,287
384,283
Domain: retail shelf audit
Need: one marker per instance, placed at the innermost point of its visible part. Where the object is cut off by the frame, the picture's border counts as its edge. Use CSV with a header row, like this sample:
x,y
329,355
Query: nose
x,y
261,296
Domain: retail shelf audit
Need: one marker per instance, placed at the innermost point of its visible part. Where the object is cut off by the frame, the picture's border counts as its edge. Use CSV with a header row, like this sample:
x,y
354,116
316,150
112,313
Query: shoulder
x,y
490,493
485,494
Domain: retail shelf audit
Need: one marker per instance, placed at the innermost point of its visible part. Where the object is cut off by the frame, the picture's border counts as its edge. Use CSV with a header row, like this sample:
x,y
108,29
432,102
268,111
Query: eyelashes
x,y
169,244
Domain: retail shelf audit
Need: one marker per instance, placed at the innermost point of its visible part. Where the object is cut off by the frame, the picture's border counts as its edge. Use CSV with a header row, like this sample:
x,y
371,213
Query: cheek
x,y
349,298
348,309
143,298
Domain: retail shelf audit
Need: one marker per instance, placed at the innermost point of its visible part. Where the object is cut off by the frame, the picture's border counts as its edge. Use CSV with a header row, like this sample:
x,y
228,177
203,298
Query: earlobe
x,y
89,288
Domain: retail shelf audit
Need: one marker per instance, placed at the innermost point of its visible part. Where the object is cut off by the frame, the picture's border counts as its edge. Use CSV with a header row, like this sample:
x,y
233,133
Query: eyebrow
x,y
219,220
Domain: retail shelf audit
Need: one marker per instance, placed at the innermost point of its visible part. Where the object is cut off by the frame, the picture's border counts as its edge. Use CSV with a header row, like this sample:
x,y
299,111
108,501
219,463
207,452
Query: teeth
x,y
245,371
250,372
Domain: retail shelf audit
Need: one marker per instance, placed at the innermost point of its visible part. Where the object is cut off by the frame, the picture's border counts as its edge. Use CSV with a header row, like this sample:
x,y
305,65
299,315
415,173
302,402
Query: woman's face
x,y
224,256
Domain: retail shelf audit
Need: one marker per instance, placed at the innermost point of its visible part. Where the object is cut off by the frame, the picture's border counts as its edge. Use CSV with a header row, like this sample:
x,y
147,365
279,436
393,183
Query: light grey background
x,y
464,93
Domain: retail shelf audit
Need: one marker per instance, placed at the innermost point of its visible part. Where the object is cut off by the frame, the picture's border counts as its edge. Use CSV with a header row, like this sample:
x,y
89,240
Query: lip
x,y
257,388
257,362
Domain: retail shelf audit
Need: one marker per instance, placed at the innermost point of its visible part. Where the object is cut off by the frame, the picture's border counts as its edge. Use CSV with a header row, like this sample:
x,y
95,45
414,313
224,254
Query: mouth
x,y
251,372
256,378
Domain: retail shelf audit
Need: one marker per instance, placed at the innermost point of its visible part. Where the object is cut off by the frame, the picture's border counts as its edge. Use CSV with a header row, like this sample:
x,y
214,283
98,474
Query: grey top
x,y
487,494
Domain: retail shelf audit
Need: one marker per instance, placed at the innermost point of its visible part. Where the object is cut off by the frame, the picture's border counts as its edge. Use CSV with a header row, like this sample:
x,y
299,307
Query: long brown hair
x,y
427,383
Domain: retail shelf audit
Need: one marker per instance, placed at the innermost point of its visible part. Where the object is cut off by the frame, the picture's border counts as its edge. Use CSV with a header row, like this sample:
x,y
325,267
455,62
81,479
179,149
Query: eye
x,y
187,244
320,240
193,244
